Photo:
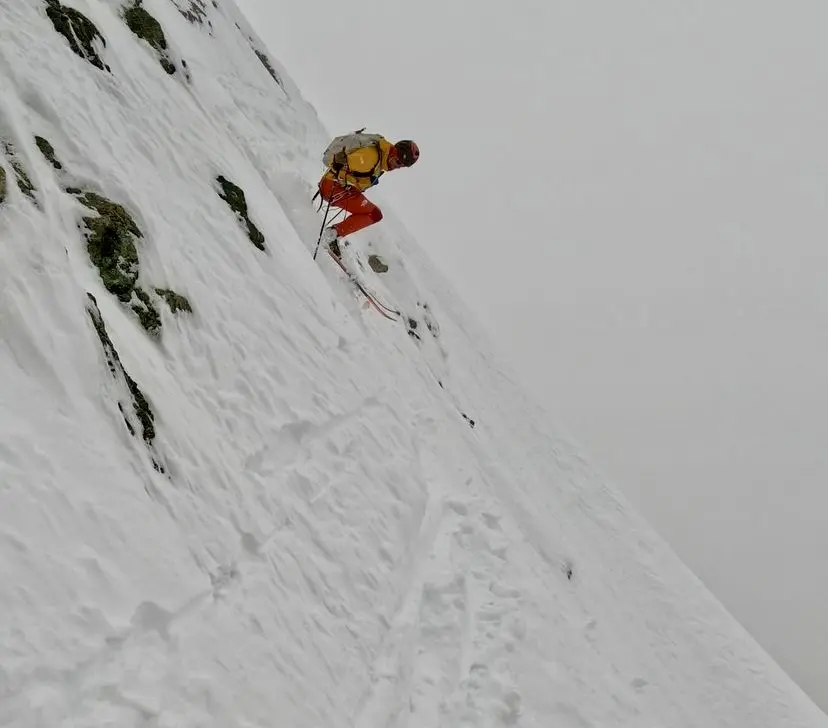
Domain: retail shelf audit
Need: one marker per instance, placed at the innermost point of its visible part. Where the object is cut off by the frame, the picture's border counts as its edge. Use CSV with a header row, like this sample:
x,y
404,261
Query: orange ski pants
x,y
363,211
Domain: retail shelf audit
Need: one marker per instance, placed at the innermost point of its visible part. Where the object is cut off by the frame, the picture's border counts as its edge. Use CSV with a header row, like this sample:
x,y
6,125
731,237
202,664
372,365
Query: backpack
x,y
348,143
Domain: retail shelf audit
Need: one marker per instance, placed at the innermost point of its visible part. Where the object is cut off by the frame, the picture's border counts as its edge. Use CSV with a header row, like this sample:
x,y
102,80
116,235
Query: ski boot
x,y
330,238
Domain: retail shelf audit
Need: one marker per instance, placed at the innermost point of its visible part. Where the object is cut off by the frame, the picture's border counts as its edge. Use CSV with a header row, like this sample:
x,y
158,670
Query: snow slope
x,y
274,511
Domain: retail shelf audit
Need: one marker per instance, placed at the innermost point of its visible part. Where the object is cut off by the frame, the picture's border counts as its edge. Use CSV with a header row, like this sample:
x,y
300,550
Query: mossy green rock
x,y
79,30
145,26
377,264
48,151
140,405
24,183
110,244
175,301
233,195
195,12
267,64
144,308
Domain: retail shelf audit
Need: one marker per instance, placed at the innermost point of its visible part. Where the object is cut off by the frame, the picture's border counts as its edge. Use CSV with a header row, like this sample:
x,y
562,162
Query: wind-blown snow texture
x,y
297,526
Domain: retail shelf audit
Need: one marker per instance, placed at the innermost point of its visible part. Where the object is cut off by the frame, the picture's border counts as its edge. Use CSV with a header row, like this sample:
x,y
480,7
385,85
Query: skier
x,y
354,163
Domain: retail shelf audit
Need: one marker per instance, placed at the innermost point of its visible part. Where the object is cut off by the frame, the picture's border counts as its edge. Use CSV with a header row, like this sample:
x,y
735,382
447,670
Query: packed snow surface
x,y
280,508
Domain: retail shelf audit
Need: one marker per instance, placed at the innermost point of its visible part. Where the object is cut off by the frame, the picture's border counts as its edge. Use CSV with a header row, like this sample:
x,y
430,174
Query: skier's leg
x,y
331,190
363,213
335,195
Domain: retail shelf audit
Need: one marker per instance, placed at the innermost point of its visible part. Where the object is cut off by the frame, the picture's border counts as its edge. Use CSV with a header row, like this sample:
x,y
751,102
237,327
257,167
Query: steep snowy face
x,y
232,494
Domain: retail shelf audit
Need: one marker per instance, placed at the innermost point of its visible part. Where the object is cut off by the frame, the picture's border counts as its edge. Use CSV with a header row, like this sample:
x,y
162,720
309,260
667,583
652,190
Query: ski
x,y
389,313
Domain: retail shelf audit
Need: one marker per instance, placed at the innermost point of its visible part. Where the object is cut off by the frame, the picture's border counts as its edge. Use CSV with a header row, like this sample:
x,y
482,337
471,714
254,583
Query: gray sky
x,y
634,198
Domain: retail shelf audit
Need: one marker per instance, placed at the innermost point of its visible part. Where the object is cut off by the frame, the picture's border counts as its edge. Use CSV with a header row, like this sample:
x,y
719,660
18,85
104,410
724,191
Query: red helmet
x,y
407,152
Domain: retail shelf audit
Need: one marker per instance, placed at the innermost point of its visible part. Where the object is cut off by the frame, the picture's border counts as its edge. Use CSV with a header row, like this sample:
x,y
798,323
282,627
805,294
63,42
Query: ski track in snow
x,y
317,536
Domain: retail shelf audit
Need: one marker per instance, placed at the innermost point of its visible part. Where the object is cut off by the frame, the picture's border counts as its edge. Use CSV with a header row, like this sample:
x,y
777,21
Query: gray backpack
x,y
347,143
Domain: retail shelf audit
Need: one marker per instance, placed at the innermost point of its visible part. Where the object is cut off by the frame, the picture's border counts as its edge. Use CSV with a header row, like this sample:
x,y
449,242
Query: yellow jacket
x,y
362,166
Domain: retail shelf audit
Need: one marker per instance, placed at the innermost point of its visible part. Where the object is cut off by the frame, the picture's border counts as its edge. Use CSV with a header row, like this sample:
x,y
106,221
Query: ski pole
x,y
322,229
